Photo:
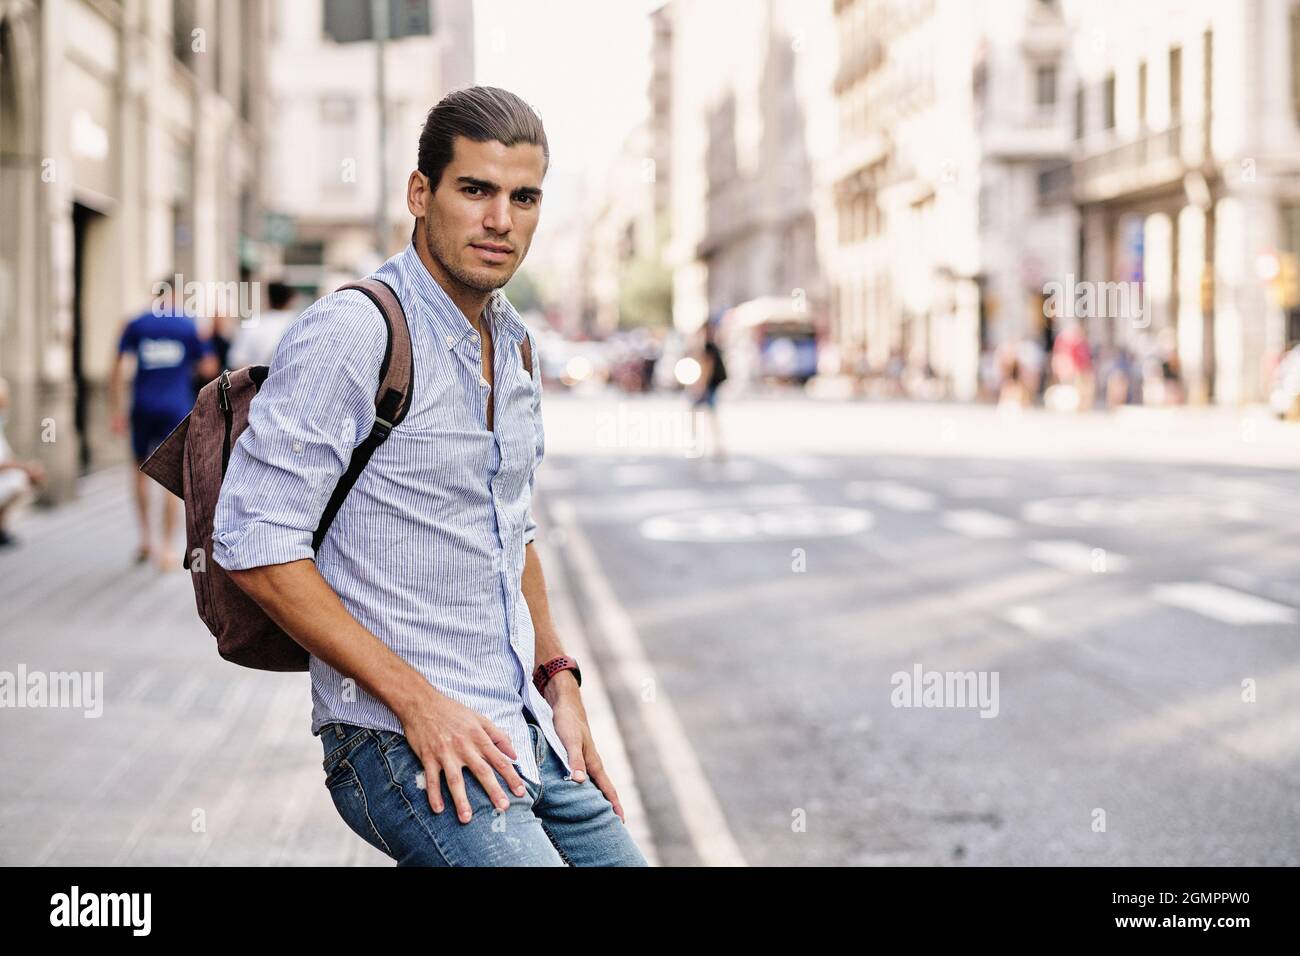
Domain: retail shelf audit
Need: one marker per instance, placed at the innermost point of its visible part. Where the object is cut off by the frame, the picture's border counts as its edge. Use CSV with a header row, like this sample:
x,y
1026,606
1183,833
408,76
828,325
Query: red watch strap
x,y
544,672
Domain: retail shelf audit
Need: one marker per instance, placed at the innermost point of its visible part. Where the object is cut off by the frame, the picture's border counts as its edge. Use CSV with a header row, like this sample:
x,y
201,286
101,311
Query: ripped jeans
x,y
372,778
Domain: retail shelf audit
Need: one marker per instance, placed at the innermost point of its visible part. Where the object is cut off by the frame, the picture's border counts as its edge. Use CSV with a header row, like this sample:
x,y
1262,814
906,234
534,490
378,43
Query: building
x,y
752,122
325,144
951,208
130,149
1186,173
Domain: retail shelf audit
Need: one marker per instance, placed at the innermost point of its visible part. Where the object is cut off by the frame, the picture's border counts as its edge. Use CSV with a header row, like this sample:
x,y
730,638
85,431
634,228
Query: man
x,y
167,349
16,476
425,609
255,343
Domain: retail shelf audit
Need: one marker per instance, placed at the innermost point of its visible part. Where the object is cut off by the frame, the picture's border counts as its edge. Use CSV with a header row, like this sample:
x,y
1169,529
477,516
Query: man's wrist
x,y
561,686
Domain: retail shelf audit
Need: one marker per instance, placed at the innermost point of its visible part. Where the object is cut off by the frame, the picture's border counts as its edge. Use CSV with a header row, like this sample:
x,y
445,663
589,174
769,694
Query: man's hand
x,y
447,736
570,719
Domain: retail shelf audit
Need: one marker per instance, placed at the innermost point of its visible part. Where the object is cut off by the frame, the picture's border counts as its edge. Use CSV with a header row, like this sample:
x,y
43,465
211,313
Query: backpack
x,y
191,463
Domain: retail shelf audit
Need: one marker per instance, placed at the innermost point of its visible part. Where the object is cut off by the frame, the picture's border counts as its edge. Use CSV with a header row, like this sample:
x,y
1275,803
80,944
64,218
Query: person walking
x,y
713,372
255,343
167,351
17,476
451,720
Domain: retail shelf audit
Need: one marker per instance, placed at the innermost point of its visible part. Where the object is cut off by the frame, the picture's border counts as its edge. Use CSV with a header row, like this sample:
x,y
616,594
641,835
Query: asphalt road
x,y
1123,596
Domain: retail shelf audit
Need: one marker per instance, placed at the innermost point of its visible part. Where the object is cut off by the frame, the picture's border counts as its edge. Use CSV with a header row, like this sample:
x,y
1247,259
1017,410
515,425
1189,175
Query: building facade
x,y
324,166
130,149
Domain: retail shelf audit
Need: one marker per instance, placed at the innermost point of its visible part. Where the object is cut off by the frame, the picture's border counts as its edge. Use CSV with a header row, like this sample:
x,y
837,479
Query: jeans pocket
x,y
338,768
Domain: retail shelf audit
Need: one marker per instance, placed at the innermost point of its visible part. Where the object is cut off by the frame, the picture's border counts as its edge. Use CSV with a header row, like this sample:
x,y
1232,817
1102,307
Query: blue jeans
x,y
372,777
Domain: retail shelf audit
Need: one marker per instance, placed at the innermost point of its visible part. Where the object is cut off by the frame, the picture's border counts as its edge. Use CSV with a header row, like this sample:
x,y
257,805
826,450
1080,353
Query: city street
x,y
1125,586
1123,576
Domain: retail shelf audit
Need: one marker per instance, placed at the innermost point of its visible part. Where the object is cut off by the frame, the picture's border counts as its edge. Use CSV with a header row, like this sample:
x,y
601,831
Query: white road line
x,y
624,475
986,486
1224,604
1076,556
804,467
1026,617
705,821
892,494
978,524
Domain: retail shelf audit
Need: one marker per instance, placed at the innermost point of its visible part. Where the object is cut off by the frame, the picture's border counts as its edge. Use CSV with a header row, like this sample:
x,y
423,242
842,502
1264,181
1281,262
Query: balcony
x,y
1148,164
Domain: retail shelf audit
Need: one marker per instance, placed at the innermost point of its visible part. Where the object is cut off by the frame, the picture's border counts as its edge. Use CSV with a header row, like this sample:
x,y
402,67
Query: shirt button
x,y
482,381
451,340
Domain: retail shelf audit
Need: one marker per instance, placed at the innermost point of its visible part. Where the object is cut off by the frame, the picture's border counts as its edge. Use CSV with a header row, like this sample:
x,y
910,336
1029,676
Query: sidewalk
x,y
194,761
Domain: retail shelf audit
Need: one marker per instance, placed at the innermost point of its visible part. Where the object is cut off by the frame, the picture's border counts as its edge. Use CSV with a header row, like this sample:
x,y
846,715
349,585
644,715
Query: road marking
x,y
985,486
755,523
892,494
624,475
1077,556
1223,604
804,467
705,821
1026,617
978,524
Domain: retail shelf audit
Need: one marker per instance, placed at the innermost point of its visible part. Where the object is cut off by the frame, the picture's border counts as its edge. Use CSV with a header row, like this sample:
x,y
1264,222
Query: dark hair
x,y
482,114
279,294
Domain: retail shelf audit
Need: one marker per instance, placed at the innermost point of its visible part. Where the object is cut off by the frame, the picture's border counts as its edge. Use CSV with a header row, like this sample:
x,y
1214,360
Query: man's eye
x,y
476,188
528,199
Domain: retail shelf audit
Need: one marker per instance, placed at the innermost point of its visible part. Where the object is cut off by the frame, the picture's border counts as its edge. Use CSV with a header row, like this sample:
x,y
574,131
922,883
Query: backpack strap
x,y
392,399
527,349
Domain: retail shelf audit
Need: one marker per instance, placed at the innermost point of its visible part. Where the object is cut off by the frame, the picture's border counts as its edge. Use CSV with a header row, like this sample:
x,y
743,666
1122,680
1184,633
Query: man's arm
x,y
116,411
316,405
561,690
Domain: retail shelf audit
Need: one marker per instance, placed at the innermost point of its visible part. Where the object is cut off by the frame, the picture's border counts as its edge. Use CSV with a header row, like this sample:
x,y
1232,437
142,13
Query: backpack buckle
x,y
223,390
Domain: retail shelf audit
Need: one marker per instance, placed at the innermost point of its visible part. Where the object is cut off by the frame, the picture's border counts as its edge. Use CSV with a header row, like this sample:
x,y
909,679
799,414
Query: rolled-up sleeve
x,y
316,405
530,526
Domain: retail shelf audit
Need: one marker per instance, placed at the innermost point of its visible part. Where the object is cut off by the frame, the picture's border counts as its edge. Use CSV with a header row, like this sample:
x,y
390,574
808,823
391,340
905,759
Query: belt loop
x,y
338,731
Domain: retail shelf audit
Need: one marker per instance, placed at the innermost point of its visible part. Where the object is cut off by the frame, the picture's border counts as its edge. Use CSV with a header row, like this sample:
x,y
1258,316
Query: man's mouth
x,y
491,246
492,252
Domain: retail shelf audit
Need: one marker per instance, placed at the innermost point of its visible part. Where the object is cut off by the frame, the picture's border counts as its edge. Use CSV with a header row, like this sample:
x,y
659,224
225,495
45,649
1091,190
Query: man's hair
x,y
482,114
280,294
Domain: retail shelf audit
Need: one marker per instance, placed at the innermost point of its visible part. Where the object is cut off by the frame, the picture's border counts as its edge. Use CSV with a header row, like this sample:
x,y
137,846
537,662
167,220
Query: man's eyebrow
x,y
489,186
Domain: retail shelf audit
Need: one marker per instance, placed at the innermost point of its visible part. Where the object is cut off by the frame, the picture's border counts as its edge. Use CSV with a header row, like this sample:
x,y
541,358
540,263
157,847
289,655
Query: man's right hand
x,y
447,736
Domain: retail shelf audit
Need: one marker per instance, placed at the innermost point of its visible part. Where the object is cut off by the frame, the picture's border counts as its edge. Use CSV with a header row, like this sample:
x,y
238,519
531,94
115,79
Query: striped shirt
x,y
427,551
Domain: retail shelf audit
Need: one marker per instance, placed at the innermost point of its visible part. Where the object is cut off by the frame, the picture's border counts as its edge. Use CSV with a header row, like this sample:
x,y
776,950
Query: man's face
x,y
479,223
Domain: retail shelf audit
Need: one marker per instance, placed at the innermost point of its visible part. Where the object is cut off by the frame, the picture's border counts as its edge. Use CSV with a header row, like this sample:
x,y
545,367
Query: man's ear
x,y
418,193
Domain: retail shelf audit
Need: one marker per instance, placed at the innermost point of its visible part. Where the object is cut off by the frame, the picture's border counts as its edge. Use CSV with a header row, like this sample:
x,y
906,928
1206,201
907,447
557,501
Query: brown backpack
x,y
191,464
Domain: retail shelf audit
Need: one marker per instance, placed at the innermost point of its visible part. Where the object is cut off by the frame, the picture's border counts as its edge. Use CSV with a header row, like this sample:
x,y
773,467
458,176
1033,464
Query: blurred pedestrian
x,y
167,350
16,477
713,372
255,343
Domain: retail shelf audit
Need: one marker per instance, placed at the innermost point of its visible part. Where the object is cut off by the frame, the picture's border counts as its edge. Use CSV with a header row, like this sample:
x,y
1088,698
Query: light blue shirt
x,y
427,551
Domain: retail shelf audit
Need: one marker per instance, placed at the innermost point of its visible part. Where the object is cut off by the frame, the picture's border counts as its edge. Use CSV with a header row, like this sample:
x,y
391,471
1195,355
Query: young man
x,y
168,349
425,609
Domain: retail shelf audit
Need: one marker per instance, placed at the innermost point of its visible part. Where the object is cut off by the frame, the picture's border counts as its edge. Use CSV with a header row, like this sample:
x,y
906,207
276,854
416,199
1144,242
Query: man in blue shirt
x,y
438,676
167,347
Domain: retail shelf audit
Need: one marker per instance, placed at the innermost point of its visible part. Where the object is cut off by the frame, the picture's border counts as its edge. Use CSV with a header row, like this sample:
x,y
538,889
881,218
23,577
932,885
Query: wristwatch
x,y
544,672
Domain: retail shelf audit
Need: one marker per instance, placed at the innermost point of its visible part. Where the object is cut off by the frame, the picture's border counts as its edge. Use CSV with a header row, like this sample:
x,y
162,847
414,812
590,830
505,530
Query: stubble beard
x,y
444,258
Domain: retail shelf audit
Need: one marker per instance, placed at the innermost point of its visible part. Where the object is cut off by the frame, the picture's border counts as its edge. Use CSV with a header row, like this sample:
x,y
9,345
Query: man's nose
x,y
498,215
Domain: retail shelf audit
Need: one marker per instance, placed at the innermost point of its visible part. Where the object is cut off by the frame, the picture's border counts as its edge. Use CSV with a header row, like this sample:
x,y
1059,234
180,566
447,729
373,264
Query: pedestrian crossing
x,y
999,508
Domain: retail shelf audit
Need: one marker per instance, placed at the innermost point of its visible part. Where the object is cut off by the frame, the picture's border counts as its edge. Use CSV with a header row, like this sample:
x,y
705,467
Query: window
x,y
1175,84
1108,97
1295,60
1045,85
1079,104
1142,94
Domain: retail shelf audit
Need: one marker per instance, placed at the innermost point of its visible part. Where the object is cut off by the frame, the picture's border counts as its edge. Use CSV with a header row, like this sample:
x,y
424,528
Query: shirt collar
x,y
448,321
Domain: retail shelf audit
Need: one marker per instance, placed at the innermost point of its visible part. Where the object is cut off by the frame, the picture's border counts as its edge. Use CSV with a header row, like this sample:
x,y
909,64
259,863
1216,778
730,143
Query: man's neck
x,y
471,302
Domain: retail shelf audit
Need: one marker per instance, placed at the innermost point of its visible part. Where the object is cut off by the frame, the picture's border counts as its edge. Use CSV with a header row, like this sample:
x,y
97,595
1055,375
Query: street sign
x,y
350,21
